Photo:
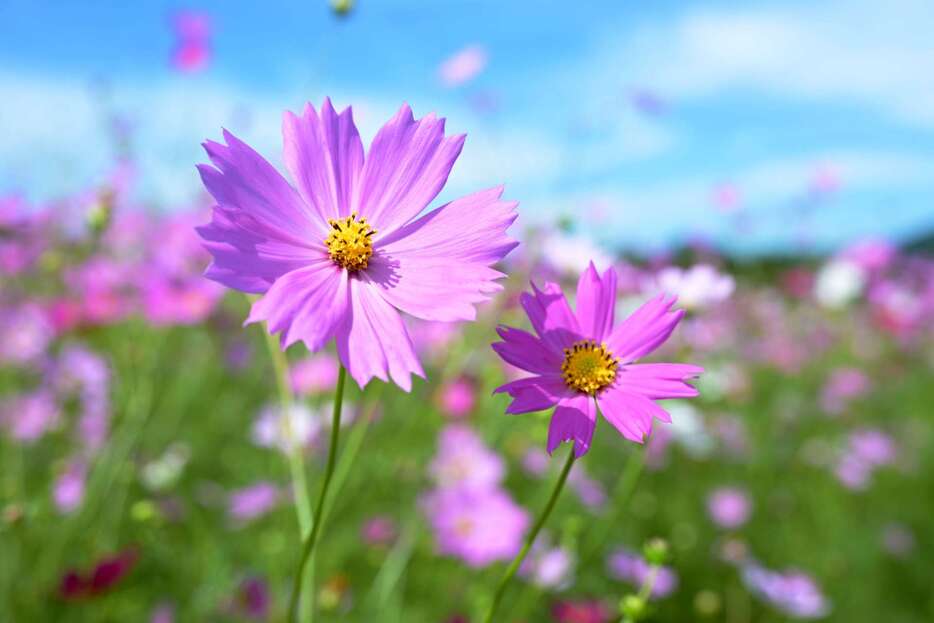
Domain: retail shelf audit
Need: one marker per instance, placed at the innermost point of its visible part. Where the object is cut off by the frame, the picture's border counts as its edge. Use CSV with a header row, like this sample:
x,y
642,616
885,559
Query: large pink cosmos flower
x,y
340,255
581,361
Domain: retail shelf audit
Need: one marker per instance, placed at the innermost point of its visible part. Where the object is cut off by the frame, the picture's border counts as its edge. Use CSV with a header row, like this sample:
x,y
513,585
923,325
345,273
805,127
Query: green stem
x,y
530,539
312,539
296,460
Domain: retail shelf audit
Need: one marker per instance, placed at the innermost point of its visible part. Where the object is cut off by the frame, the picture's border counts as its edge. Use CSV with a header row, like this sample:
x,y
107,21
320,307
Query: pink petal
x,y
574,419
242,180
307,304
630,414
405,169
658,380
247,256
325,157
644,330
534,394
551,316
524,350
596,302
373,341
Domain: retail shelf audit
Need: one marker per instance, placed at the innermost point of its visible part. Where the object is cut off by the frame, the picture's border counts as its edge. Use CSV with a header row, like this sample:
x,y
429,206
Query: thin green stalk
x,y
312,539
296,460
530,539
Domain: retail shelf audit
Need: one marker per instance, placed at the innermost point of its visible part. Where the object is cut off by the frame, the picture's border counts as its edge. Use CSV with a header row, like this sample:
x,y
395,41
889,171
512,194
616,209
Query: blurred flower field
x,y
144,461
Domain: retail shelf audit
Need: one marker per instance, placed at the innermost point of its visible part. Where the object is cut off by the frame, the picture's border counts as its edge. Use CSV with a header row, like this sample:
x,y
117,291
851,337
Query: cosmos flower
x,y
314,374
105,574
457,397
581,361
478,526
633,569
463,66
342,254
697,287
580,612
68,490
729,507
254,501
793,592
464,461
379,530
547,566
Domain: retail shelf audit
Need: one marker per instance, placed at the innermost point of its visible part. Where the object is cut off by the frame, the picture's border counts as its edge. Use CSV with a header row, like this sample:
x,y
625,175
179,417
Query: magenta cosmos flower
x,y
343,252
581,361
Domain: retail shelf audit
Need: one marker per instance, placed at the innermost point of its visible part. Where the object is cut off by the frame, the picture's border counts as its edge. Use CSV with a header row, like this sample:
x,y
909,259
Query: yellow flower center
x,y
588,367
350,243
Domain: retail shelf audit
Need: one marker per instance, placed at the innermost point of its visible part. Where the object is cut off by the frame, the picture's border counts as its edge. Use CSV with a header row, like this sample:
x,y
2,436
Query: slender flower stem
x,y
296,460
312,539
530,539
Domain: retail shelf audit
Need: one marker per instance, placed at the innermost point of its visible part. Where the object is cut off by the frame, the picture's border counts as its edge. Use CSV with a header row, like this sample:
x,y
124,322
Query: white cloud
x,y
880,55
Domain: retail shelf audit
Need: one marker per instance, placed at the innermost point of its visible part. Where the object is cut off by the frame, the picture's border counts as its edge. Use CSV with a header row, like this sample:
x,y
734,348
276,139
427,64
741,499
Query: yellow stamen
x,y
588,367
350,243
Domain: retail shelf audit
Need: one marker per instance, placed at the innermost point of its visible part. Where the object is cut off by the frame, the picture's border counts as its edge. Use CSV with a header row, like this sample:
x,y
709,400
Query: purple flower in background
x,y
379,530
580,612
478,526
633,569
273,430
164,613
314,374
252,599
341,255
729,507
81,372
843,386
28,417
548,567
582,361
792,592
457,397
248,503
105,574
464,461
866,450
68,490
25,332
463,66
192,51
898,540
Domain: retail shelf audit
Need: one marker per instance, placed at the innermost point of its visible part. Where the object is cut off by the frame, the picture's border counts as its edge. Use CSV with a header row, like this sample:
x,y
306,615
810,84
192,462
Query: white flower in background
x,y
572,253
838,283
697,287
271,430
687,427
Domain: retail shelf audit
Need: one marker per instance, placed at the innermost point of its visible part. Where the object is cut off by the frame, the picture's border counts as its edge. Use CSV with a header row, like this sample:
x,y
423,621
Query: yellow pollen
x,y
350,242
588,367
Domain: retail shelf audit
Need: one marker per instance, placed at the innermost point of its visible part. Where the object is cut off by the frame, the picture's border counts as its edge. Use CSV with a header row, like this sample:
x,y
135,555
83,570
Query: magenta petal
x,y
645,330
242,180
658,380
551,316
325,157
307,304
373,341
524,350
406,167
630,414
438,267
574,419
534,394
596,302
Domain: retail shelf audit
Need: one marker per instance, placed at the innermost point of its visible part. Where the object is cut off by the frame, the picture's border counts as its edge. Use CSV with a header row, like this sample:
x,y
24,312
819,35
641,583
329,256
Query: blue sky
x,y
759,95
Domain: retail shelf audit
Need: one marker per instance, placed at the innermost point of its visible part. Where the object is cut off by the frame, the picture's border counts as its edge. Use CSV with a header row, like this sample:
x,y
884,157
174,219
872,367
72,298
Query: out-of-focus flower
x,y
463,66
192,51
25,334
697,287
271,429
839,283
254,501
464,461
29,416
548,567
573,254
478,526
252,600
843,385
729,507
825,180
379,530
626,566
727,198
162,473
314,374
793,592
898,540
342,255
100,579
580,612
870,254
866,450
68,490
582,360
163,613
81,372
456,398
